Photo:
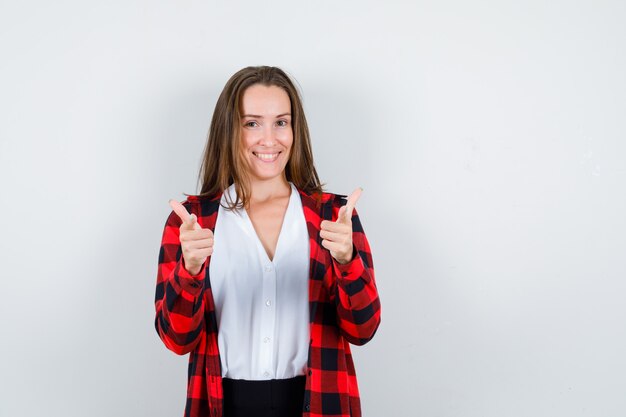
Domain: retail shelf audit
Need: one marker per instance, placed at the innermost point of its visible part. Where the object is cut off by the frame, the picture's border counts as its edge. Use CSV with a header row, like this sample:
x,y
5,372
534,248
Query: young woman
x,y
264,278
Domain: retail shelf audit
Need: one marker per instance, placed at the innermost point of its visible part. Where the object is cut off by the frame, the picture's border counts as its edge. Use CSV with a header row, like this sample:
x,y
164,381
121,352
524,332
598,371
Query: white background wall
x,y
489,139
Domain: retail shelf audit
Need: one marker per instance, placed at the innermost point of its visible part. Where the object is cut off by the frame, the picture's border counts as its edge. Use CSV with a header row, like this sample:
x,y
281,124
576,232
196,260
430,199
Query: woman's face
x,y
267,134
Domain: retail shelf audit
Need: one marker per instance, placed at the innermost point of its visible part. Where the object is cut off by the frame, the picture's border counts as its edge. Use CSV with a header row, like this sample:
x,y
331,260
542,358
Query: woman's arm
x,y
179,300
356,295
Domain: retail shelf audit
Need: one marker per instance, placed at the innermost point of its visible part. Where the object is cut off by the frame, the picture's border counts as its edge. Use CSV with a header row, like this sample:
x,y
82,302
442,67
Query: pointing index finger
x,y
184,215
180,210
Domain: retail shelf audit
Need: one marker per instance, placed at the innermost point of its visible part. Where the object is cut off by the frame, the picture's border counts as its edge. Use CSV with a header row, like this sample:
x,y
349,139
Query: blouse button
x,y
268,303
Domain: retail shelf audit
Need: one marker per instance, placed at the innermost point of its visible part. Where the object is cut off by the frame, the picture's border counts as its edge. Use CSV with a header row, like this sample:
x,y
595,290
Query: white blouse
x,y
262,306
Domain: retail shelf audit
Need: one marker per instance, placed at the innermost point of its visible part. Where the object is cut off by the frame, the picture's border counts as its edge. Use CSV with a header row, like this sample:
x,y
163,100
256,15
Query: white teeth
x,y
266,156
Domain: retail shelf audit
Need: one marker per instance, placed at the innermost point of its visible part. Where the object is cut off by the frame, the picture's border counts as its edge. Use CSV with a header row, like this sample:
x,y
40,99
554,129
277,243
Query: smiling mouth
x,y
267,157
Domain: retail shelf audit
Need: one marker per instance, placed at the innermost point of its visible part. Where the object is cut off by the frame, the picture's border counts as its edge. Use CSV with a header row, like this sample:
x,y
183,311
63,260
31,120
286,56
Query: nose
x,y
267,138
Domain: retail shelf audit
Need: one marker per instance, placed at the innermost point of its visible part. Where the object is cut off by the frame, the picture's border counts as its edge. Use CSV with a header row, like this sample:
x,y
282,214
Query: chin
x,y
267,175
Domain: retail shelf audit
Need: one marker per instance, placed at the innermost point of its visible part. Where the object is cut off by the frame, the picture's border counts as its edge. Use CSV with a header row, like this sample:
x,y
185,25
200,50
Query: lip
x,y
266,153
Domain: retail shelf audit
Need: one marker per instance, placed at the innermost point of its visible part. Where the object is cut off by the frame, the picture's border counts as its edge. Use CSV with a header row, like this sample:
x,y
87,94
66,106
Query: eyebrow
x,y
258,116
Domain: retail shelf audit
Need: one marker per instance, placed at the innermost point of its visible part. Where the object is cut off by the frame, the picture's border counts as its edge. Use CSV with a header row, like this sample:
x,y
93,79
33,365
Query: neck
x,y
263,190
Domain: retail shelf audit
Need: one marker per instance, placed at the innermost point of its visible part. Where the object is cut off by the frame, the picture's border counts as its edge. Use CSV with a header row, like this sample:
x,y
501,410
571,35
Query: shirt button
x,y
268,303
266,373
268,268
267,339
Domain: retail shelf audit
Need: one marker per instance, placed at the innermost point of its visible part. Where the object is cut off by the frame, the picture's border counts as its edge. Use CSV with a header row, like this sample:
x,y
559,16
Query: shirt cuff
x,y
350,271
191,283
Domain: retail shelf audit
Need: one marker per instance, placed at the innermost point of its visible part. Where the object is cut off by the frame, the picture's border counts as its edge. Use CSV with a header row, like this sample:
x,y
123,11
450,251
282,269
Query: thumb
x,y
193,222
341,215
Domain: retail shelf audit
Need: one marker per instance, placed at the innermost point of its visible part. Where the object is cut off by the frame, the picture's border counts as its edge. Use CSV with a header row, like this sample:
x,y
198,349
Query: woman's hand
x,y
196,243
337,235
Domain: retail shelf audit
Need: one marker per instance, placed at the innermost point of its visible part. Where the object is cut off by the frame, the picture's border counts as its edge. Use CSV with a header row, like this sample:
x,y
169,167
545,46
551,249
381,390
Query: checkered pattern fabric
x,y
343,301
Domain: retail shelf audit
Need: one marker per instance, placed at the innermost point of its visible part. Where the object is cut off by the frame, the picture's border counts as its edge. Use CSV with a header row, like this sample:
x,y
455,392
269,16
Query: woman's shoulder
x,y
199,198
199,203
338,199
324,196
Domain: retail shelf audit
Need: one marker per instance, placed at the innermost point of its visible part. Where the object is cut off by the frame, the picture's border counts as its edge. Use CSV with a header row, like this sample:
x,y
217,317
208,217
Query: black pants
x,y
273,398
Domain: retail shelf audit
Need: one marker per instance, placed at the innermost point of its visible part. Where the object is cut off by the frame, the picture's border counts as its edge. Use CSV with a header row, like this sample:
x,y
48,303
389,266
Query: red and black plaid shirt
x,y
343,302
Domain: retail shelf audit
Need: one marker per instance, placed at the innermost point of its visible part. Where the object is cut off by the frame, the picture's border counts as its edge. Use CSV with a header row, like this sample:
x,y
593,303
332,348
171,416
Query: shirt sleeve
x,y
357,299
179,301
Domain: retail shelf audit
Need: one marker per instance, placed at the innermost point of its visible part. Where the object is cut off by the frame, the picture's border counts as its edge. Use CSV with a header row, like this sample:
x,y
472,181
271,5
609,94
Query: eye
x,y
249,124
284,123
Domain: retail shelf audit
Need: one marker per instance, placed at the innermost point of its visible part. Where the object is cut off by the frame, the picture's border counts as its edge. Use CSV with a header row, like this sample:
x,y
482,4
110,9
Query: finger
x,y
200,235
332,246
197,234
198,244
347,214
341,214
189,220
180,210
335,226
203,234
334,236
194,222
